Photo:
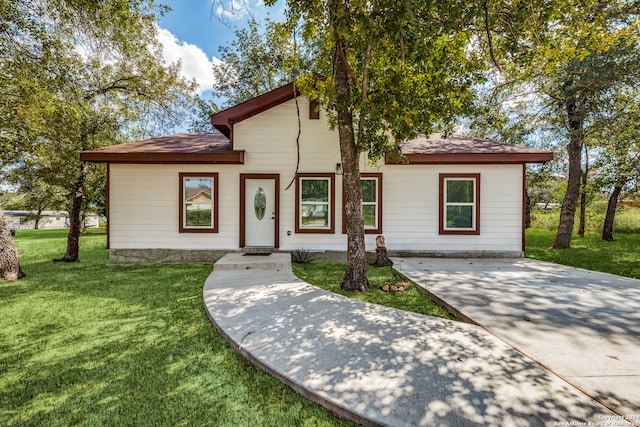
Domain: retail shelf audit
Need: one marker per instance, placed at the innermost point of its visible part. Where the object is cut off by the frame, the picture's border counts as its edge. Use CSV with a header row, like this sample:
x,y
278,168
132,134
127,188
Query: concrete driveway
x,y
582,325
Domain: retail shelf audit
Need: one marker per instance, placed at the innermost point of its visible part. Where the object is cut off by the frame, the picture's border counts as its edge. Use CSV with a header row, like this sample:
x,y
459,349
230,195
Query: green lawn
x,y
621,256
93,343
328,275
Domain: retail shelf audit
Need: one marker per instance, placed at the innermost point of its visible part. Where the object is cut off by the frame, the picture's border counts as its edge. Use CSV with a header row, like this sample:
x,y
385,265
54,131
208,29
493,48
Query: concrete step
x,y
254,260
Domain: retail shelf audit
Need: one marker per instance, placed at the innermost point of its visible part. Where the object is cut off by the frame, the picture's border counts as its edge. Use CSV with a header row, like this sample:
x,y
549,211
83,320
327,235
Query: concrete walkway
x,y
381,366
581,324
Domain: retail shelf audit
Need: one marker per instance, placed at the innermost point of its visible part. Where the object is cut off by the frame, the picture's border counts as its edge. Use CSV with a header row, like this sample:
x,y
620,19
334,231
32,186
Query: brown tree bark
x,y
355,278
527,210
9,264
570,201
73,239
607,229
583,204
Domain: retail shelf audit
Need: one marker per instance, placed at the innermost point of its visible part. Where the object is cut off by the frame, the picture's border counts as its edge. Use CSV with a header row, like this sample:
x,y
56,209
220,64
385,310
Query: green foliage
x,y
626,221
404,78
94,343
301,256
619,257
79,75
328,275
257,62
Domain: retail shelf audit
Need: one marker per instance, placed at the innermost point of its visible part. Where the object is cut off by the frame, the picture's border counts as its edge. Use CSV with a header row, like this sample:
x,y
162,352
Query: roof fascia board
x,y
470,158
225,119
233,157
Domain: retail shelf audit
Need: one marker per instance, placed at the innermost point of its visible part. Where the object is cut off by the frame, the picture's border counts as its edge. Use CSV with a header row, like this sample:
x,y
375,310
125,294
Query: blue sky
x,y
192,32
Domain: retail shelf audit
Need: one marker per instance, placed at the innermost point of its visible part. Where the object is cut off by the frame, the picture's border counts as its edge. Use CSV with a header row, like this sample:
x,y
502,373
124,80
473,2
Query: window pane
x,y
369,193
315,215
198,202
369,213
197,189
315,190
459,216
199,215
460,191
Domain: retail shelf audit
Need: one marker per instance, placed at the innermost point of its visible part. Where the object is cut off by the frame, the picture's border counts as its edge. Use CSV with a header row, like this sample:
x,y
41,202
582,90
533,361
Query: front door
x,y
259,210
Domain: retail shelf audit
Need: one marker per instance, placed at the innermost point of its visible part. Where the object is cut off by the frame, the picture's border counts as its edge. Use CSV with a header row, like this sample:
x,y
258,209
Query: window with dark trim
x,y
198,203
315,203
371,185
459,204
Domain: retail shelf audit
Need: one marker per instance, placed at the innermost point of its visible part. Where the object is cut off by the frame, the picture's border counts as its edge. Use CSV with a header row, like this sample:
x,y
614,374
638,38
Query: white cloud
x,y
195,63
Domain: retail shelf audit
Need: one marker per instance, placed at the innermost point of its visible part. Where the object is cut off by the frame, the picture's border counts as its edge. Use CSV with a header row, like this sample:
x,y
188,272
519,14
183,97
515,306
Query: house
x,y
272,178
26,220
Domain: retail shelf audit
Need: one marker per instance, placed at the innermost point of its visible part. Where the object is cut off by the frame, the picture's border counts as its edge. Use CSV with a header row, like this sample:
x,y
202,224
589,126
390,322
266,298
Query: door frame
x,y
276,223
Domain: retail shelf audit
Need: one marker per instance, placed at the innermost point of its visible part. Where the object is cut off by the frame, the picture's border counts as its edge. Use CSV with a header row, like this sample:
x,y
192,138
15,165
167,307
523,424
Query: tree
x,y
393,70
256,62
80,75
9,265
578,54
618,164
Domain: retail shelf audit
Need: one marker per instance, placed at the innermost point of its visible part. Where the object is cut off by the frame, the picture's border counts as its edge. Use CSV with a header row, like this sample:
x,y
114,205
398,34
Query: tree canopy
x,y
77,75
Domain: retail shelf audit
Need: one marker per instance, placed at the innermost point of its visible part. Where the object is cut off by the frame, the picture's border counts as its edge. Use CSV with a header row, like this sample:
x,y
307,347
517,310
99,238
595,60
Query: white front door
x,y
260,212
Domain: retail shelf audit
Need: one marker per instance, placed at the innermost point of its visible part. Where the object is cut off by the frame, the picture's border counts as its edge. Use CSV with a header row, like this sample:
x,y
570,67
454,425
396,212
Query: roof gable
x,y
224,120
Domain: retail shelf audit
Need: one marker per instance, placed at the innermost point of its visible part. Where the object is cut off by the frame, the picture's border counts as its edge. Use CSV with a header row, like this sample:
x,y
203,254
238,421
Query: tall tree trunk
x,y
570,201
607,229
73,239
527,210
583,204
9,264
583,193
355,278
36,226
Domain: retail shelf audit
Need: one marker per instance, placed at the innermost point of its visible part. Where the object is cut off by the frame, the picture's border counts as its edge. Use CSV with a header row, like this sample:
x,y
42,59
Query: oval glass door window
x,y
260,203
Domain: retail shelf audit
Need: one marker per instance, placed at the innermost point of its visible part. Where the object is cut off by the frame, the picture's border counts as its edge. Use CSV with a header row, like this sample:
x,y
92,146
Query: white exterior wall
x,y
410,194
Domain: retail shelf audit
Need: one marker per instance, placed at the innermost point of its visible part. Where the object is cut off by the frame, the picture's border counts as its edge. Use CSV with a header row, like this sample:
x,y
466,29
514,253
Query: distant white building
x,y
25,220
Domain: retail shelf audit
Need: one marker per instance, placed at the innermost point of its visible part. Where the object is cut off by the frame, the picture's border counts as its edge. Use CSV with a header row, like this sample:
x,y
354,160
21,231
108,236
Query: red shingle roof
x,y
465,149
179,148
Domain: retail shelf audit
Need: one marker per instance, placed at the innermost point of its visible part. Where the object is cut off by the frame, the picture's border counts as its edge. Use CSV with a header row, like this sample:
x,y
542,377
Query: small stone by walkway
x,y
381,366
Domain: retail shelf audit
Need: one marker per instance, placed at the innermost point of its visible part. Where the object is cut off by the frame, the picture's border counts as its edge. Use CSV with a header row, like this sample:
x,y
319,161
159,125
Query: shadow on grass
x,y
94,343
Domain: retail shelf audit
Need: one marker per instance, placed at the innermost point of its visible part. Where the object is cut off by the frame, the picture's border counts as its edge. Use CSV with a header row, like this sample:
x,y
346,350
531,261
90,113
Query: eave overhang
x,y
470,158
232,157
224,120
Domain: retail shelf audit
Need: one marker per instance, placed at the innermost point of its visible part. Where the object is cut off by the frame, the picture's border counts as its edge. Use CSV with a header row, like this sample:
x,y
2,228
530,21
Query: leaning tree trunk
x,y
355,278
570,201
75,223
607,229
9,264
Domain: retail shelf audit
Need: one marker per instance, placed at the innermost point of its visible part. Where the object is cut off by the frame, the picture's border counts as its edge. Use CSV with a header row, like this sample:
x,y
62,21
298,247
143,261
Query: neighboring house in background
x,y
24,220
273,179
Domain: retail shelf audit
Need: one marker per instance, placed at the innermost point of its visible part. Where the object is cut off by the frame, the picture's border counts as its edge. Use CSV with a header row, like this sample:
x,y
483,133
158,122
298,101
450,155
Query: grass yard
x,y
328,275
93,343
621,256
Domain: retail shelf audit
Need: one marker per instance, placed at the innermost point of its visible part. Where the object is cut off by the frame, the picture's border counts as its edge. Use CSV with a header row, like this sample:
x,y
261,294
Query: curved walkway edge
x,y
380,366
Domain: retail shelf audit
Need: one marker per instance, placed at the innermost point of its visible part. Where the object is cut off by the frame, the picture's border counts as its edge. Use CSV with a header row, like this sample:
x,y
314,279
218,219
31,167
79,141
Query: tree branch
x,y
489,38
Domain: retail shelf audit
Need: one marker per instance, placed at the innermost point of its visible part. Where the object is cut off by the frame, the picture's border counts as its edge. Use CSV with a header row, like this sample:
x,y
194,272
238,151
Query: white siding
x,y
144,198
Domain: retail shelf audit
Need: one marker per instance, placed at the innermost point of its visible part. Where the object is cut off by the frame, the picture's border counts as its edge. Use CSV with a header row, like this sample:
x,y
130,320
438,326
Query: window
x,y
315,205
371,184
199,203
459,204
